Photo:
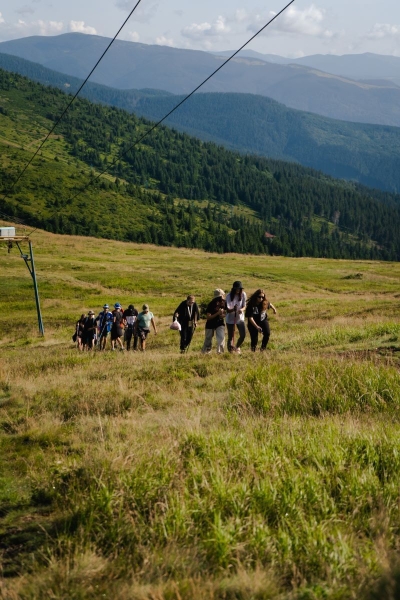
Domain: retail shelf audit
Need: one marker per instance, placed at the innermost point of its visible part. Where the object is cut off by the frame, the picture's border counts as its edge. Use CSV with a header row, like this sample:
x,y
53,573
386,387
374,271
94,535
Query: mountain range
x,y
133,65
254,124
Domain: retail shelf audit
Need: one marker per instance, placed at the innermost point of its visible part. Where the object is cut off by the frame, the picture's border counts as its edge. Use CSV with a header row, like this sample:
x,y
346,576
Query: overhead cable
x,y
153,127
72,100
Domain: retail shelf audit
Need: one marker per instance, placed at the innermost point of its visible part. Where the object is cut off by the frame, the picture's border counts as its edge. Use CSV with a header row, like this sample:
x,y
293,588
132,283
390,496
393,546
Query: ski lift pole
x,y
35,286
30,263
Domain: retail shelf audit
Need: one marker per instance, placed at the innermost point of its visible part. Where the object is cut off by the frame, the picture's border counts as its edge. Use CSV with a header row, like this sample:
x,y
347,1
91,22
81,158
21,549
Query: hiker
x,y
130,316
79,332
215,323
235,309
89,331
256,313
187,314
142,325
104,323
117,328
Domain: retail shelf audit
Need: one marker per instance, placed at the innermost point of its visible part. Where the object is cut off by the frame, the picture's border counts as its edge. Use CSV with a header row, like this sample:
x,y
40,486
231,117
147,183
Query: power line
x,y
72,100
158,123
138,140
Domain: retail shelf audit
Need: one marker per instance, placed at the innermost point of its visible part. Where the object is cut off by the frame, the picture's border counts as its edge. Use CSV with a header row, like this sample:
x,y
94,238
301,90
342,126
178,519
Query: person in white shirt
x,y
235,309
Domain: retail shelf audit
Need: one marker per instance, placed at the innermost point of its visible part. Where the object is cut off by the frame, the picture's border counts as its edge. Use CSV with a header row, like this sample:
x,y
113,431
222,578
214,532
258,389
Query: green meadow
x,y
160,476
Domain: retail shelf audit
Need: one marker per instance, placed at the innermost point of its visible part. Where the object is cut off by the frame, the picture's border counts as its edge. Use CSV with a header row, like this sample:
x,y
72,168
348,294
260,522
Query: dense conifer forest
x,y
172,189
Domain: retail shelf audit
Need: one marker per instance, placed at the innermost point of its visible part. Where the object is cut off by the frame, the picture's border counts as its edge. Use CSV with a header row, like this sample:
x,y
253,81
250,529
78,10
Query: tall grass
x,y
318,387
158,476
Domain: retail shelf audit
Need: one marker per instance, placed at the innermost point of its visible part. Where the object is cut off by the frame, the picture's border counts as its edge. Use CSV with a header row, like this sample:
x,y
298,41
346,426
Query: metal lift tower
x,y
7,235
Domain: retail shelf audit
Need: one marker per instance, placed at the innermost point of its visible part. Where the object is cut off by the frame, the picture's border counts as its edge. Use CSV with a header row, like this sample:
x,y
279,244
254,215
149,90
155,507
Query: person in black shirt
x,y
130,316
256,313
89,330
80,332
216,312
187,314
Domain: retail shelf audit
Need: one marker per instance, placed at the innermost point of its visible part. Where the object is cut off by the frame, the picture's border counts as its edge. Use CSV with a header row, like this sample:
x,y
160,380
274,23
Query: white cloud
x,y
197,31
80,27
23,28
38,27
383,30
132,36
162,40
240,15
295,21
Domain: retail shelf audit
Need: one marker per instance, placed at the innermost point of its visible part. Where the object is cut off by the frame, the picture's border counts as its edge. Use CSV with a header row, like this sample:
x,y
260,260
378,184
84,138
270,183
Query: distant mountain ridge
x,y
132,65
254,124
360,67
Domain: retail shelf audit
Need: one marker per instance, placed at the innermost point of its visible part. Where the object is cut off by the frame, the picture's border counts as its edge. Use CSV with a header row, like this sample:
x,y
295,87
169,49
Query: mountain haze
x,y
131,65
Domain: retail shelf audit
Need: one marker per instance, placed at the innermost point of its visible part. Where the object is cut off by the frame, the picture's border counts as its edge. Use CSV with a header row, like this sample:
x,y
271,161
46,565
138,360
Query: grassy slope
x,y
167,476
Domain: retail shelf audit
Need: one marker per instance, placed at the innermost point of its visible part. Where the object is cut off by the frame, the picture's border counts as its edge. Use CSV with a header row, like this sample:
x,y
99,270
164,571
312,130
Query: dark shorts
x,y
116,332
143,332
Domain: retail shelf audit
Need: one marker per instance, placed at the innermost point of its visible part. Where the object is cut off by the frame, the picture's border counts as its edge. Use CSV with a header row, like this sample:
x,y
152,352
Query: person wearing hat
x,y
130,316
215,323
235,309
117,328
187,314
143,321
104,323
89,330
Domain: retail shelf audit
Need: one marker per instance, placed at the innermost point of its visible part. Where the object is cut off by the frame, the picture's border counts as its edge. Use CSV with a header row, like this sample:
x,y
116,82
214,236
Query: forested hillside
x,y
254,124
175,190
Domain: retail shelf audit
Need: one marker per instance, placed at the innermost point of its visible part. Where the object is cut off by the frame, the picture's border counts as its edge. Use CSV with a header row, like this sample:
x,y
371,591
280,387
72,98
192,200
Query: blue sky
x,y
323,26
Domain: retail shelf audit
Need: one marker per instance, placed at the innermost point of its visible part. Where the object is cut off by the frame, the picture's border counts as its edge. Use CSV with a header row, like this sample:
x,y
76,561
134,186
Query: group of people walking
x,y
233,309
131,327
120,325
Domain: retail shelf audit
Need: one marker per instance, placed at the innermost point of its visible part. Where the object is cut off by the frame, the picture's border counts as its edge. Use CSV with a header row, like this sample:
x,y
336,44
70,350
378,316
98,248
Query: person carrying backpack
x,y
187,314
216,311
104,324
256,313
130,316
117,328
235,308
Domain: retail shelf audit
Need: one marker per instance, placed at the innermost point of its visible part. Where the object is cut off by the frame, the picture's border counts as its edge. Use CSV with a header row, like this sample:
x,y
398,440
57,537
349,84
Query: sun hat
x,y
105,305
218,293
237,284
117,305
90,312
145,307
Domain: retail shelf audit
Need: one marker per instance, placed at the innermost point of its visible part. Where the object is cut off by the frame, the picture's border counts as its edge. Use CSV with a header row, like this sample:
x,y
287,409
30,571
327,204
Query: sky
x,y
323,27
